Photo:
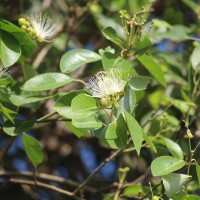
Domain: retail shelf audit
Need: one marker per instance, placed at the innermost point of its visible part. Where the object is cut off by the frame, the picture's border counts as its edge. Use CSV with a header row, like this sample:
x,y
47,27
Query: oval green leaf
x,y
173,183
76,58
10,50
173,148
110,34
153,68
195,58
33,149
135,131
166,164
139,82
46,81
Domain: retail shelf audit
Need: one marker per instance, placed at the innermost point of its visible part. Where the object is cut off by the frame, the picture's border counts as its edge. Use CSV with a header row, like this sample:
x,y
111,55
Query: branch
x,y
45,177
108,159
6,147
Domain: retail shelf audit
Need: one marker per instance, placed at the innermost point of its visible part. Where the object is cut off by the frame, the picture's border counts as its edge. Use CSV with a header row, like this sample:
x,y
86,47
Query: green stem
x,y
46,116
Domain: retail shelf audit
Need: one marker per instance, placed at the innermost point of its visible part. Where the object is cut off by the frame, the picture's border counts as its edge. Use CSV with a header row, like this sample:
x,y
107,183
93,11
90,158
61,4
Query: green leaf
x,y
139,82
195,58
10,50
166,164
76,58
23,99
135,131
46,81
110,60
33,149
121,131
115,134
26,43
173,148
143,46
63,103
153,68
28,72
76,131
128,102
19,127
198,171
84,109
191,197
89,123
173,183
110,34
83,105
6,113
149,142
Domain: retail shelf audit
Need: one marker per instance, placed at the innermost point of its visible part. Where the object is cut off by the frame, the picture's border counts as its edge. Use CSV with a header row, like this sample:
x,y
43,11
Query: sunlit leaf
x,y
166,164
110,34
153,68
135,131
76,58
33,149
10,50
173,183
46,81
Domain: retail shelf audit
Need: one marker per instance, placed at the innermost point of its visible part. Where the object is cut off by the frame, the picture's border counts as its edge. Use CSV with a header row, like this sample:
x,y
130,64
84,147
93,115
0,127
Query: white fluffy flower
x,y
43,27
109,85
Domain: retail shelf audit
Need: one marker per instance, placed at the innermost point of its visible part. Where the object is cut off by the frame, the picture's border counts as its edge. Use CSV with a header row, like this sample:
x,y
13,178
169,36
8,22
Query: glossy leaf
x,y
173,183
191,197
149,142
33,149
83,105
46,81
114,135
27,45
90,122
198,171
139,82
135,131
84,109
76,58
6,113
173,148
10,50
19,126
76,131
195,58
153,68
142,46
166,164
28,72
110,34
110,60
63,103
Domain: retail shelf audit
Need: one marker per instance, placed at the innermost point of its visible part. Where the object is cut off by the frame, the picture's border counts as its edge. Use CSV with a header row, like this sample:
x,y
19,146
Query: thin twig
x,y
109,158
45,177
6,148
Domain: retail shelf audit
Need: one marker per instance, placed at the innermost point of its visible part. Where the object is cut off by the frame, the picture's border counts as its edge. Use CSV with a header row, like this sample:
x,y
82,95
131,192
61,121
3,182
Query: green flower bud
x,y
22,21
24,27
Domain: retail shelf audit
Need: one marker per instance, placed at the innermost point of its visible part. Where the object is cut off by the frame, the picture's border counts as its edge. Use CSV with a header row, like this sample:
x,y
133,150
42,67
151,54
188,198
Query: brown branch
x,y
108,159
45,177
6,147
42,185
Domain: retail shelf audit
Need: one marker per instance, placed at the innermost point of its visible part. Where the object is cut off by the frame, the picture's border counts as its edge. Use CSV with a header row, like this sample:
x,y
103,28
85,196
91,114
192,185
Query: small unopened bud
x,y
189,134
155,198
22,21
24,27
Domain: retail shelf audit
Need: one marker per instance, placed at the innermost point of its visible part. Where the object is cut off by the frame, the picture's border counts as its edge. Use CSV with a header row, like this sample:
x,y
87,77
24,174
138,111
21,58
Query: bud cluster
x,y
38,26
